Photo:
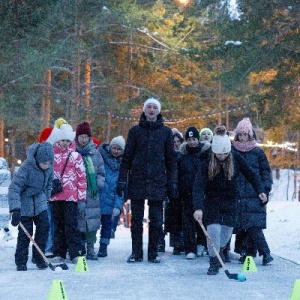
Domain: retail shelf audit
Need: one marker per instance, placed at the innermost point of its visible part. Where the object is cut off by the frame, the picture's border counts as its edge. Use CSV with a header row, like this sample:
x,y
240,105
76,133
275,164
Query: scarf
x,y
90,172
244,147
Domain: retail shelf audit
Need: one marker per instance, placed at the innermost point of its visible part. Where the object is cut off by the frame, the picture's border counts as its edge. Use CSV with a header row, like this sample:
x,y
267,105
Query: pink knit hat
x,y
244,126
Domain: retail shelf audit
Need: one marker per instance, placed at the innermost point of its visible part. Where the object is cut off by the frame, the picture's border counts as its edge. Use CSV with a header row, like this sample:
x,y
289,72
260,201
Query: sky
x,y
175,277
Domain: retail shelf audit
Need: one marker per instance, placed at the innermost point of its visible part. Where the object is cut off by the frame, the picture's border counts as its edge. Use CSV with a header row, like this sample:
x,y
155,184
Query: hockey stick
x,y
52,267
229,275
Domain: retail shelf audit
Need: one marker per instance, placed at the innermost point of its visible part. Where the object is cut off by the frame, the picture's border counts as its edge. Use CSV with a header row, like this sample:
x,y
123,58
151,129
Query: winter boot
x,y
213,266
267,258
8,236
102,250
133,258
91,252
225,251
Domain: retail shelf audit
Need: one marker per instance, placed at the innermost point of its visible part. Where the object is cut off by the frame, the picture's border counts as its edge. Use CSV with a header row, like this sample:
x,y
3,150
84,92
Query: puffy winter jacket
x,y
31,186
74,177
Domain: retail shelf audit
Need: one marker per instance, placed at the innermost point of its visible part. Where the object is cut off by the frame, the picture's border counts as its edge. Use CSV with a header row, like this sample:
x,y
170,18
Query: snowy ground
x,y
174,278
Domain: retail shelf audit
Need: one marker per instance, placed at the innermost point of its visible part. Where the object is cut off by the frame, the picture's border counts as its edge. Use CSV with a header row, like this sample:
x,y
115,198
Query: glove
x,y
198,215
15,217
116,212
173,191
121,188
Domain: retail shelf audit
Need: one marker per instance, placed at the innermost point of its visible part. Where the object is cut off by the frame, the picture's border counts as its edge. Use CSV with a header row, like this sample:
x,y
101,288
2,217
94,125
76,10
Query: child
x,y
28,194
110,202
216,192
252,214
64,205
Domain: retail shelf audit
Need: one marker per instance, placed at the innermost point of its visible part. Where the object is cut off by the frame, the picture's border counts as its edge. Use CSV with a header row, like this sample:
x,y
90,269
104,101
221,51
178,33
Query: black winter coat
x,y
219,197
252,211
149,160
188,166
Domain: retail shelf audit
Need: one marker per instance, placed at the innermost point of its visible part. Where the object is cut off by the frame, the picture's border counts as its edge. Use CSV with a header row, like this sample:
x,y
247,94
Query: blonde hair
x,y
215,167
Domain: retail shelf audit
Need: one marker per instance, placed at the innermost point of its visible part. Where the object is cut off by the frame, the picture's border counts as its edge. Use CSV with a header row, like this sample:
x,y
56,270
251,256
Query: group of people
x,y
202,177
66,220
208,179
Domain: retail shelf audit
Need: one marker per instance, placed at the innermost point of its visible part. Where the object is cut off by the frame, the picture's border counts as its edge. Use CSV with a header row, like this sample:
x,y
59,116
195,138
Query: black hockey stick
x,y
229,275
52,267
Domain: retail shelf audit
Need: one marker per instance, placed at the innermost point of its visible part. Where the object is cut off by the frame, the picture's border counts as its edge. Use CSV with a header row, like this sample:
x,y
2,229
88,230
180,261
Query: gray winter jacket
x,y
89,219
31,186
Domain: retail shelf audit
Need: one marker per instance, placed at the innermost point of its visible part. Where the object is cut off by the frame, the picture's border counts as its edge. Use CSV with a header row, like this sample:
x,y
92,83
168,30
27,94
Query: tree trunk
x,y
87,86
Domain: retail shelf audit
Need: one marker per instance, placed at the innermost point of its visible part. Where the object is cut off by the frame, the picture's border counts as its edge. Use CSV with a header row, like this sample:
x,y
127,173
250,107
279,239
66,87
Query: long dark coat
x,y
149,160
252,211
219,197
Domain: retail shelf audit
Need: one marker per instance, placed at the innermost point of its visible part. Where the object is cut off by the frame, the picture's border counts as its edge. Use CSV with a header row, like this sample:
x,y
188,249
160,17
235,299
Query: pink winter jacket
x,y
74,177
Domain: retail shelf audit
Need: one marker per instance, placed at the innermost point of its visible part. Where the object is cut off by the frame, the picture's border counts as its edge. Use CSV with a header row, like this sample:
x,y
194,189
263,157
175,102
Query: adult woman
x,y
64,205
89,211
252,212
216,193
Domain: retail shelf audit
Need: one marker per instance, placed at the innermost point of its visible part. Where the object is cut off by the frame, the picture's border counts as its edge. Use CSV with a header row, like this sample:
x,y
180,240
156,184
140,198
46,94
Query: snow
x,y
175,277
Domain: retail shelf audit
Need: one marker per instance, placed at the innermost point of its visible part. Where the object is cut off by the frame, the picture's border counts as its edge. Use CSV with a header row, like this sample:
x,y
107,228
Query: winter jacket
x,y
252,211
149,160
188,165
74,177
31,186
108,197
89,220
219,197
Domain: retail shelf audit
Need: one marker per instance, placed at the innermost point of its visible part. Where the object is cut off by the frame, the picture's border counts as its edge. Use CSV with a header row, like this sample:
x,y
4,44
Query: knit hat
x,y
49,135
221,143
205,130
96,142
66,133
118,140
44,153
175,131
192,132
83,128
153,101
244,126
59,122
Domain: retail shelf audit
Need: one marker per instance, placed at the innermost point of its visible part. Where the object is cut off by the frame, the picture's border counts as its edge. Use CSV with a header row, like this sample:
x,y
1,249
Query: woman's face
x,y
177,143
243,137
192,142
206,136
83,139
222,156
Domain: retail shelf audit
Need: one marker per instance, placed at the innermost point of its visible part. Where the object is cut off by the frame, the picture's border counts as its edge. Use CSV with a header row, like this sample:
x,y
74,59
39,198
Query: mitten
x,y
15,217
198,215
116,212
121,188
173,191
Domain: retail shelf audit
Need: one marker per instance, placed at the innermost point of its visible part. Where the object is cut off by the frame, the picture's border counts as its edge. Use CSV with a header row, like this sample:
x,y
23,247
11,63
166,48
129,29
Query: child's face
x,y
192,142
222,156
116,150
45,165
206,136
64,144
243,137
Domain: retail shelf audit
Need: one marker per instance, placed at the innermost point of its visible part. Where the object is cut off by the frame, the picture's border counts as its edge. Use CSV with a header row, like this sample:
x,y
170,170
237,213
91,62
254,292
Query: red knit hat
x,y
96,142
83,128
45,133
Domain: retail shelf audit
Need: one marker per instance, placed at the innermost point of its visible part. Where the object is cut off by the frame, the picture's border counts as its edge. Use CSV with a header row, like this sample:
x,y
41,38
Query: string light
x,y
174,120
